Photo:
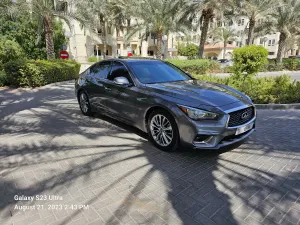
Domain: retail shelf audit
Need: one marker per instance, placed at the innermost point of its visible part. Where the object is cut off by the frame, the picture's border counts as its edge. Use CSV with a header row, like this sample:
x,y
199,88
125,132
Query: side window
x,y
100,70
119,70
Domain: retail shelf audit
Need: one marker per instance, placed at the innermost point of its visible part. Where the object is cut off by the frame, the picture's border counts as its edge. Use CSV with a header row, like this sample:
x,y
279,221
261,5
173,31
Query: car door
x,y
121,99
95,88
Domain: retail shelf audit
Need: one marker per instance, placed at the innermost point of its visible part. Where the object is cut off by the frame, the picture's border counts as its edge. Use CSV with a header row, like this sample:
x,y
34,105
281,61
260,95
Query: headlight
x,y
198,114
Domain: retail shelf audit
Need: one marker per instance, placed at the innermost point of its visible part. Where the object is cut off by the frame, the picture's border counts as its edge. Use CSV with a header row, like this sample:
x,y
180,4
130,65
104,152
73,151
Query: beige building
x,y
84,43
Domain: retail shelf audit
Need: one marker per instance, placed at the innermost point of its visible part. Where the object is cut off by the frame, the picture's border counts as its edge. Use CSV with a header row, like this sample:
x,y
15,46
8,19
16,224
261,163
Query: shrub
x,y
198,66
228,69
291,64
190,50
94,59
262,90
4,78
274,67
40,72
10,50
249,60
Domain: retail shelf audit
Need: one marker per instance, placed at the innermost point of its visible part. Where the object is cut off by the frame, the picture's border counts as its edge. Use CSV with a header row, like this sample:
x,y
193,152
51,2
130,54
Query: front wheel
x,y
84,104
163,130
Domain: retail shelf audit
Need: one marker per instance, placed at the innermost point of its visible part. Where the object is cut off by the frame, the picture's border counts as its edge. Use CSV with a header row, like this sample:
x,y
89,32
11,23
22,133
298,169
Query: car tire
x,y
161,135
84,104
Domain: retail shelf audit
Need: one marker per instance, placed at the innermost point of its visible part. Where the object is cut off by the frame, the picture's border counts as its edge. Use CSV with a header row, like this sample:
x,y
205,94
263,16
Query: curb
x,y
59,83
278,106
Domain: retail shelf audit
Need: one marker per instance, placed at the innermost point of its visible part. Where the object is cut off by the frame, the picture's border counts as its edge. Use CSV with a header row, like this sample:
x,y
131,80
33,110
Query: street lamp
x,y
68,35
164,39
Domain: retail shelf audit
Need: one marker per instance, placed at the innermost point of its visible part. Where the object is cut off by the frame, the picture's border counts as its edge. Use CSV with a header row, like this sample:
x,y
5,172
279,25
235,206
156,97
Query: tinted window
x,y
119,70
156,72
100,70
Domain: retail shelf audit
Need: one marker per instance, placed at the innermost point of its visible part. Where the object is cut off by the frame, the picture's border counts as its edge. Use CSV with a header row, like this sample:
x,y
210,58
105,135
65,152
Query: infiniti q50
x,y
167,103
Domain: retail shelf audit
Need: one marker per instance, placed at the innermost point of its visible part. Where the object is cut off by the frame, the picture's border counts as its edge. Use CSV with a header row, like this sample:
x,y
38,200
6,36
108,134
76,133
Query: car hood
x,y
205,93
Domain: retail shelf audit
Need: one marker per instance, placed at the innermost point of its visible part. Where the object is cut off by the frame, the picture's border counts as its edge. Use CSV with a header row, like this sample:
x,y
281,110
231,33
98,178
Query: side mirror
x,y
123,81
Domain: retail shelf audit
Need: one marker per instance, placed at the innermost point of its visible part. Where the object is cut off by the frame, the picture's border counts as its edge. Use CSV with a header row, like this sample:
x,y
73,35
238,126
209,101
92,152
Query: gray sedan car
x,y
167,103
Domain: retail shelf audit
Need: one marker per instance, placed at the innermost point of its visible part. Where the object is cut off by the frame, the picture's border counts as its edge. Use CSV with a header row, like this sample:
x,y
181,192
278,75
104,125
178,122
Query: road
x,y
295,75
50,151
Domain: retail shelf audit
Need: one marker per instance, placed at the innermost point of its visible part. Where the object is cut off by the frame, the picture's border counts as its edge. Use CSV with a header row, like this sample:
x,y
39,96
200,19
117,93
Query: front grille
x,y
240,117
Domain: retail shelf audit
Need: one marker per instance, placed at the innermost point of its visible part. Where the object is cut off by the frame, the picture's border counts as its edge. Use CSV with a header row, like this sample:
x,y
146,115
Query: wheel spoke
x,y
165,138
169,128
169,136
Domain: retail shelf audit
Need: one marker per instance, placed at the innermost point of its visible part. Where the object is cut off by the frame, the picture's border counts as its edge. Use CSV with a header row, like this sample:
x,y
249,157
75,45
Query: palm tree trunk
x,y
48,26
251,30
224,50
103,34
207,15
159,45
282,40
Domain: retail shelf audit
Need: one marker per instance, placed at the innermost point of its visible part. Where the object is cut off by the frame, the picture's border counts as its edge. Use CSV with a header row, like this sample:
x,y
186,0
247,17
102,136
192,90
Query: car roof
x,y
132,59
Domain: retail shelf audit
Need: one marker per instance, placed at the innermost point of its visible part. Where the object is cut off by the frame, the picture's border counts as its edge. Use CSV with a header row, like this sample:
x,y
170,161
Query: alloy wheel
x,y
84,103
161,130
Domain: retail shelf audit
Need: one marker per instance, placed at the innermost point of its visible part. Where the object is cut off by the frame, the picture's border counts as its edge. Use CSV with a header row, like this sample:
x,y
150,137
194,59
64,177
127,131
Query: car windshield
x,y
150,72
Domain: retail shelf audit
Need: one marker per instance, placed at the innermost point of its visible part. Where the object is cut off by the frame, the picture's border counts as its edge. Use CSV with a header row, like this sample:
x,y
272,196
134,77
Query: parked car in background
x,y
226,62
167,103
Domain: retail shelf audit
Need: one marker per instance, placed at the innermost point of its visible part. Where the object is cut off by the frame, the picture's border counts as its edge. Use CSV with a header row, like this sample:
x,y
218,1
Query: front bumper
x,y
218,134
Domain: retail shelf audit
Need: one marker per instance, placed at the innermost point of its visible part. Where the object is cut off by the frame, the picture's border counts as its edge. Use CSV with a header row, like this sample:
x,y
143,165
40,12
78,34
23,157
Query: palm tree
x,y
286,20
291,43
209,9
104,14
253,10
11,7
225,35
160,17
45,11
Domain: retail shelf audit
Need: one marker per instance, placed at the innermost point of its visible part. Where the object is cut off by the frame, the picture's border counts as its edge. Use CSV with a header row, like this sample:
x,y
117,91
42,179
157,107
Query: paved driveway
x,y
83,170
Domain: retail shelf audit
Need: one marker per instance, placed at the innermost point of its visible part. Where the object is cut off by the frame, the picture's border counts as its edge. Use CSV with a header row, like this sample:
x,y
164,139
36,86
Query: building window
x,y
153,35
109,29
230,23
97,51
271,53
269,42
261,41
273,42
99,30
241,22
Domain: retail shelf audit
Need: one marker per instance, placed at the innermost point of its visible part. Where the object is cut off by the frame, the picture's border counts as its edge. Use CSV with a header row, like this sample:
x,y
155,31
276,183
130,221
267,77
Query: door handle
x,y
107,89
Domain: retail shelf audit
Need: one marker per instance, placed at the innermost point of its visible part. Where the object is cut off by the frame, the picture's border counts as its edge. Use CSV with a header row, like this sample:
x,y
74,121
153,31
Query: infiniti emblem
x,y
245,115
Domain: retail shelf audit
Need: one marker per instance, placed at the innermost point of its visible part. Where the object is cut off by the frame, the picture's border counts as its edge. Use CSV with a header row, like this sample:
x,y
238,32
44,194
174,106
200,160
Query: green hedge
x,y
94,59
30,73
262,90
198,66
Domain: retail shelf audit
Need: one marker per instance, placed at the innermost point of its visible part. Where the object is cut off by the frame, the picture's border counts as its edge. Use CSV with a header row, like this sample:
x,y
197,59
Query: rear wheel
x,y
163,130
84,104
